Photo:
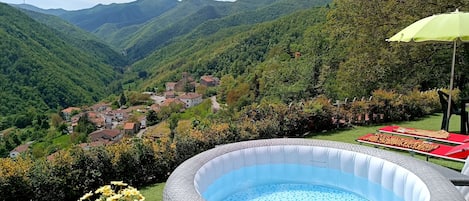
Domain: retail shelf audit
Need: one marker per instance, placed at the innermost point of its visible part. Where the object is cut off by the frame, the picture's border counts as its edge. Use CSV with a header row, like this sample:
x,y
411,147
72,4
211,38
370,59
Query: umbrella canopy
x,y
446,27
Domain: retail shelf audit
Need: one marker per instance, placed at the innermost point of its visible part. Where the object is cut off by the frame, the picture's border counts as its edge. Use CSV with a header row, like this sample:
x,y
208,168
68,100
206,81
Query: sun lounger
x,y
452,138
440,152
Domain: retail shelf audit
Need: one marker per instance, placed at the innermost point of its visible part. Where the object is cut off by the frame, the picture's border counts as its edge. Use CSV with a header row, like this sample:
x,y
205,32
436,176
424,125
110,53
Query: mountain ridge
x,y
80,38
41,70
149,32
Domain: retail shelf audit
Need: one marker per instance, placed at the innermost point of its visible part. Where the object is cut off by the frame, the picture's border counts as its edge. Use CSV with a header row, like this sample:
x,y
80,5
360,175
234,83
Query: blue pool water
x,y
294,182
294,192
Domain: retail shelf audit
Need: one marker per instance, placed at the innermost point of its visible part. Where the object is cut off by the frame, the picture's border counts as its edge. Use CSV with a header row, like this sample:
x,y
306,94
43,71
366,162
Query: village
x,y
113,124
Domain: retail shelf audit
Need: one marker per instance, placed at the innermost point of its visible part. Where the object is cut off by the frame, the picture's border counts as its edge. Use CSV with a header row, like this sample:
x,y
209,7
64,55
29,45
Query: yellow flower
x,y
108,194
115,197
130,191
106,191
86,196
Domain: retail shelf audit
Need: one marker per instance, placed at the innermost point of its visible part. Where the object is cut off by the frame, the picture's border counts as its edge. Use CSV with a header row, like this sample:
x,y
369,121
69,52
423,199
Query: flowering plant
x,y
108,193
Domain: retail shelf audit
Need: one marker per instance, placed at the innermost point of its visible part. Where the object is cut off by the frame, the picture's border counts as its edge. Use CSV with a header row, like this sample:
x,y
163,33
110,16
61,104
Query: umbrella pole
x,y
451,86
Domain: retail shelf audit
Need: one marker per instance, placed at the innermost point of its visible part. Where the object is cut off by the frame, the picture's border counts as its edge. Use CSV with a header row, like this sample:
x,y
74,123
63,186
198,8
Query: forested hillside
x,y
208,17
40,70
81,39
141,27
343,53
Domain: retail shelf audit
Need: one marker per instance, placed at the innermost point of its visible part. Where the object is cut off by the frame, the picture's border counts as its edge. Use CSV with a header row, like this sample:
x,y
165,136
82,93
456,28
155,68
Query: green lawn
x,y
153,192
433,122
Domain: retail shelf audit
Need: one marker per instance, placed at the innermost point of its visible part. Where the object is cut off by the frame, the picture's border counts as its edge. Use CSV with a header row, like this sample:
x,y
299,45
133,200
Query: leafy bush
x,y
389,106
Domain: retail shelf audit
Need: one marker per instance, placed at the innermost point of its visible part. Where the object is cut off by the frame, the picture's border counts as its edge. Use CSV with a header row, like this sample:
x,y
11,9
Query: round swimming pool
x,y
297,167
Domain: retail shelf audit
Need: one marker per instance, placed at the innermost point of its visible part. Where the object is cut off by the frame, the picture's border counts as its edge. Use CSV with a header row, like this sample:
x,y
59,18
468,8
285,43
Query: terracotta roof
x,y
22,148
207,78
92,114
168,101
104,134
129,126
98,121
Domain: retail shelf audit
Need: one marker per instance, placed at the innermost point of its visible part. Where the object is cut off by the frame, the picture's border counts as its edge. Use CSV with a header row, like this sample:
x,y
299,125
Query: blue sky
x,y
65,4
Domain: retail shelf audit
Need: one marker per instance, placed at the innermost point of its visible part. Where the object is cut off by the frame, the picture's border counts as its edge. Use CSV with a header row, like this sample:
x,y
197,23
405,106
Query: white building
x,y
191,99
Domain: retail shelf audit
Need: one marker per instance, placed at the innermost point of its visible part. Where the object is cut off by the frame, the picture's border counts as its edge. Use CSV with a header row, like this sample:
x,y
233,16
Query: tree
x,y
142,74
41,122
152,118
173,123
4,123
239,96
227,83
122,100
23,120
56,120
201,89
14,180
84,125
137,98
188,87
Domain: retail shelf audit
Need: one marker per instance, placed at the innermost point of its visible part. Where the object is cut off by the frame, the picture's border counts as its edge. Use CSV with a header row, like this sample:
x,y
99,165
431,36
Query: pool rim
x,y
180,185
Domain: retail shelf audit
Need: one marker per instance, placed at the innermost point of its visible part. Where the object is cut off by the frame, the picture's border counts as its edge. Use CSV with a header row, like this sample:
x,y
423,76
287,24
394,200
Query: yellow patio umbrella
x,y
445,27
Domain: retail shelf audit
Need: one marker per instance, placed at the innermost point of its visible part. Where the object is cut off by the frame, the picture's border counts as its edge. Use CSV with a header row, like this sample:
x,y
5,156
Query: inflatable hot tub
x,y
372,174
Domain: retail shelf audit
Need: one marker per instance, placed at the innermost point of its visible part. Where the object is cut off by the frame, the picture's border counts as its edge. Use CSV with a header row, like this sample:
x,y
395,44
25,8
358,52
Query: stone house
x,y
209,81
191,99
19,150
131,128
